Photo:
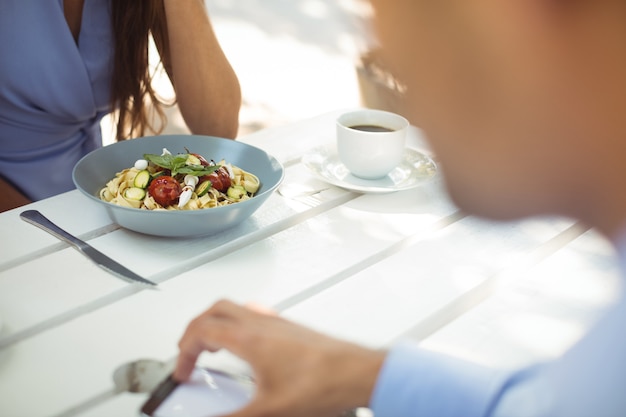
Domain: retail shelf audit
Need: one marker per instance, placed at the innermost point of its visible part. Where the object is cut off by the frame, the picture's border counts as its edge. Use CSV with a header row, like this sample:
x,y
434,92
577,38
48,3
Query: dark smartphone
x,y
208,393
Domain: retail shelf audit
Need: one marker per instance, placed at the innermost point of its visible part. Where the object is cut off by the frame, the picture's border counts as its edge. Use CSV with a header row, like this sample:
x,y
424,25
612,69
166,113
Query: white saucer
x,y
415,169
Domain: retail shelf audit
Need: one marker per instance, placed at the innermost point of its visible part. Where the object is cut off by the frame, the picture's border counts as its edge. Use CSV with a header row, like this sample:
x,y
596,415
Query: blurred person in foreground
x,y
65,64
524,103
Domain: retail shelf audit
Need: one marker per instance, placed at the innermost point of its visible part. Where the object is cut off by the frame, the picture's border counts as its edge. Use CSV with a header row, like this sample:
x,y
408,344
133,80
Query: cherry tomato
x,y
220,179
165,190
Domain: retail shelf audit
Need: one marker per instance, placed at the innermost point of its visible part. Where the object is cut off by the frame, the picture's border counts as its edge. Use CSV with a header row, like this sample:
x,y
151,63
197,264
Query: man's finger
x,y
209,332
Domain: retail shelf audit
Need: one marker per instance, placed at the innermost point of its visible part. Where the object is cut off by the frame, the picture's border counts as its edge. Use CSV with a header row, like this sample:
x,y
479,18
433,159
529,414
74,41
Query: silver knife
x,y
36,218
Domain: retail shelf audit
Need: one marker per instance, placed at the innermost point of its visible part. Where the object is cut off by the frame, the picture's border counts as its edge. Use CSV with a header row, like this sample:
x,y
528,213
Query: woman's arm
x,y
207,88
11,197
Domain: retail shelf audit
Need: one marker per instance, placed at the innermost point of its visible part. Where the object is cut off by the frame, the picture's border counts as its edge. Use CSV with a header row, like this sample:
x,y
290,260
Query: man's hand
x,y
298,372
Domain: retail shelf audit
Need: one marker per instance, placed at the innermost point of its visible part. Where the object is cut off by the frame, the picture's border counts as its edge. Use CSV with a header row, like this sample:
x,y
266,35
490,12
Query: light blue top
x,y
53,92
589,380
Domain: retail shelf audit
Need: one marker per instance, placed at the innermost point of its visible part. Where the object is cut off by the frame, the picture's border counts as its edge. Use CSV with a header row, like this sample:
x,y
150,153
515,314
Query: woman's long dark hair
x,y
132,94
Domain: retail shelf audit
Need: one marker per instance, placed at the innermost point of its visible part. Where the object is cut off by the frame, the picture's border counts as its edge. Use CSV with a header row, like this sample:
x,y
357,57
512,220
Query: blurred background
x,y
295,58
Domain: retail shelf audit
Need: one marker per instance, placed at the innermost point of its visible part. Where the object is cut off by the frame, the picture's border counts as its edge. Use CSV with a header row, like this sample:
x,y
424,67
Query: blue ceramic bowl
x,y
94,170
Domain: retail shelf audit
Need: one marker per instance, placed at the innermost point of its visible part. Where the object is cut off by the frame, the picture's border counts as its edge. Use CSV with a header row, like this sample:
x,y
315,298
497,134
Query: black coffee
x,y
371,128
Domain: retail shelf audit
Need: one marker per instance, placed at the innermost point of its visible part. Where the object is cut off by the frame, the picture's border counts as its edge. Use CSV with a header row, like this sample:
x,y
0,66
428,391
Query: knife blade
x,y
35,218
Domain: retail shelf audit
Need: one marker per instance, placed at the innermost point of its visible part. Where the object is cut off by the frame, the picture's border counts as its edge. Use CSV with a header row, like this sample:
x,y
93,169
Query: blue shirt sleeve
x,y
588,380
417,382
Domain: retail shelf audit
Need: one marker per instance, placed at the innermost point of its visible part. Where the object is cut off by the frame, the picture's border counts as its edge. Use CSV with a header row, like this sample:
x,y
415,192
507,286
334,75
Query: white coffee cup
x,y
371,143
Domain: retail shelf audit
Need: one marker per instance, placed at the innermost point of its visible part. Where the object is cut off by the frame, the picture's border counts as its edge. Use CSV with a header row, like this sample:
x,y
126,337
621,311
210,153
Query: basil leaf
x,y
179,161
164,161
177,164
198,170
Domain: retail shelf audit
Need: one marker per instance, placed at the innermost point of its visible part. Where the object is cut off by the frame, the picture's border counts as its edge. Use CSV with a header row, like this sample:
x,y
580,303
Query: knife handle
x,y
35,218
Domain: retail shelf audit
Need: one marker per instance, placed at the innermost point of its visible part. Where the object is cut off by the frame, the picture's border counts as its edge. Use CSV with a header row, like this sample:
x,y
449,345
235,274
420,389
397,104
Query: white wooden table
x,y
369,268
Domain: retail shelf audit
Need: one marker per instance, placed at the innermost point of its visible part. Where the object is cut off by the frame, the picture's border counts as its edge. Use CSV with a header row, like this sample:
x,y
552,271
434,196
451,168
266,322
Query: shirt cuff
x,y
416,382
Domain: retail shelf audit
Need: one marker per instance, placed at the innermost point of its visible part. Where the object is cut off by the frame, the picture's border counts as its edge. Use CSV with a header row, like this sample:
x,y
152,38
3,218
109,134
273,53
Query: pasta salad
x,y
186,181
